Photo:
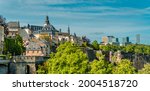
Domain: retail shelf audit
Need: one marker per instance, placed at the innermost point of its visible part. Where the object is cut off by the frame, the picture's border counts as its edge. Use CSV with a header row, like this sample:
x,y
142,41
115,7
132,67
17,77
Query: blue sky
x,y
93,18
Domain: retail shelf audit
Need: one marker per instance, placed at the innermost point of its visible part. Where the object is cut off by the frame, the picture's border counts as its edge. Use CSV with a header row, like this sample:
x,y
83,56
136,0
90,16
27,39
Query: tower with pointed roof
x,y
48,27
68,30
47,21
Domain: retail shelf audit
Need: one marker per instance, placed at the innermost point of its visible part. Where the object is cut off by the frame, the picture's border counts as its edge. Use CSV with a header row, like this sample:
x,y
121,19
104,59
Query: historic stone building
x,y
13,29
138,60
1,38
48,31
24,64
37,48
2,33
62,36
20,65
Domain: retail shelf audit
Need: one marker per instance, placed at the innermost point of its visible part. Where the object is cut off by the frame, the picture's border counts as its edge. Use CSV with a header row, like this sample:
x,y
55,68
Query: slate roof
x,y
13,24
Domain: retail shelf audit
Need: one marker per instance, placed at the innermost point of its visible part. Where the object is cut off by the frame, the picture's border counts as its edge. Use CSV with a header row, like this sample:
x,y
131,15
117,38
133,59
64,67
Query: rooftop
x,y
14,24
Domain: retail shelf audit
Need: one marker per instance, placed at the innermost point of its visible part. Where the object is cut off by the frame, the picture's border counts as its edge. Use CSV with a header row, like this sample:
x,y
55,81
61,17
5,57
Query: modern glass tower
x,y
138,39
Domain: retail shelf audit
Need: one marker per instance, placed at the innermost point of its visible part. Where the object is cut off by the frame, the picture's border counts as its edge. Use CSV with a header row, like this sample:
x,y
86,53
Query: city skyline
x,y
93,18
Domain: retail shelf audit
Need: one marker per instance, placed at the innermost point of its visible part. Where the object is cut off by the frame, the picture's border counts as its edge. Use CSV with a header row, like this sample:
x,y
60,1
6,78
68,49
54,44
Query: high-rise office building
x,y
125,41
110,40
138,39
117,40
107,39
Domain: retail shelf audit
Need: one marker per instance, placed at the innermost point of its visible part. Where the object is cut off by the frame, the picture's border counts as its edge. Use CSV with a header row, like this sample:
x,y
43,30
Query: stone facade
x,y
3,69
13,29
20,65
1,38
24,64
37,47
138,59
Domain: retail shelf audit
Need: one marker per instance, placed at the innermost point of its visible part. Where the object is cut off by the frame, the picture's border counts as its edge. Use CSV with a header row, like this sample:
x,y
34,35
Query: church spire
x,y
47,21
68,30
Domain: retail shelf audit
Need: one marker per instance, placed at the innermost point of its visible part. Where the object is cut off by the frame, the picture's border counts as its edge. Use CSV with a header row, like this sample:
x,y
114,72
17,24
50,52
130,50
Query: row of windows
x,y
33,51
24,58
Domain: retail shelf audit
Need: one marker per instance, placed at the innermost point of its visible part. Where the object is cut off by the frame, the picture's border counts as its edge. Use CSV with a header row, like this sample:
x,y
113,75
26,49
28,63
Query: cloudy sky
x,y
93,18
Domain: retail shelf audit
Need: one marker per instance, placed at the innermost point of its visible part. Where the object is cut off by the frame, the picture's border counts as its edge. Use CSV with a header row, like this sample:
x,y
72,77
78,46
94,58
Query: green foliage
x,y
138,48
95,45
100,56
100,67
124,67
2,56
14,45
110,47
129,48
145,70
84,44
69,59
133,48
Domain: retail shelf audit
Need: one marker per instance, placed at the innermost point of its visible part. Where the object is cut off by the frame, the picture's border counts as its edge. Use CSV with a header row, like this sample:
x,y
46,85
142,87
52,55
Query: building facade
x,y
138,39
125,41
1,38
37,48
110,40
13,29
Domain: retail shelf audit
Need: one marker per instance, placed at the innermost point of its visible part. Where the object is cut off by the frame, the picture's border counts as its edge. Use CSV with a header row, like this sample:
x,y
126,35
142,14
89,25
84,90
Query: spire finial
x,y
47,20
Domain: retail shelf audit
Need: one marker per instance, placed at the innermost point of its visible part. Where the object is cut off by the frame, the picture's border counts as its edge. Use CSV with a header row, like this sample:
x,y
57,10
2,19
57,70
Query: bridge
x,y
20,65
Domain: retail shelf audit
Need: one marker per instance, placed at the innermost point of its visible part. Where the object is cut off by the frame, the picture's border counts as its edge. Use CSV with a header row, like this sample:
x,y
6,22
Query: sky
x,y
93,18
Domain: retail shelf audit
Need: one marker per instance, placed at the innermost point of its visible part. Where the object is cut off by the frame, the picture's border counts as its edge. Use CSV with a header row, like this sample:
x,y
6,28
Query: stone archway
x,y
27,69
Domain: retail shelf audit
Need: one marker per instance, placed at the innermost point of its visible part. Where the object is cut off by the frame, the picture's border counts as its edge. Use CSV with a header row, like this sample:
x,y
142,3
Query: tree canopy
x,y
69,59
132,48
95,45
145,70
124,67
14,45
100,67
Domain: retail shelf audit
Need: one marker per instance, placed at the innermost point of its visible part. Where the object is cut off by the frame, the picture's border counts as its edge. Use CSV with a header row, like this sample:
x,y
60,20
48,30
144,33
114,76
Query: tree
x,y
124,67
69,59
95,45
110,47
14,45
145,70
147,50
100,67
130,48
139,49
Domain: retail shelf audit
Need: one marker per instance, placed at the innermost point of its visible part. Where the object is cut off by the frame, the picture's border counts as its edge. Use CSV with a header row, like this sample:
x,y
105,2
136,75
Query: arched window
x,y
27,69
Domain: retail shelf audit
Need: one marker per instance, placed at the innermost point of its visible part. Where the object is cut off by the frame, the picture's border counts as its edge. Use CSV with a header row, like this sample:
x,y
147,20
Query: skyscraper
x,y
107,39
110,40
138,39
125,41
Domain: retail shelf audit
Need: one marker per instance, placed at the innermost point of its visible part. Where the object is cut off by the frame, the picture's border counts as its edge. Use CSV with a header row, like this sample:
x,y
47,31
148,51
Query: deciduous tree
x,y
69,59
145,70
124,67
